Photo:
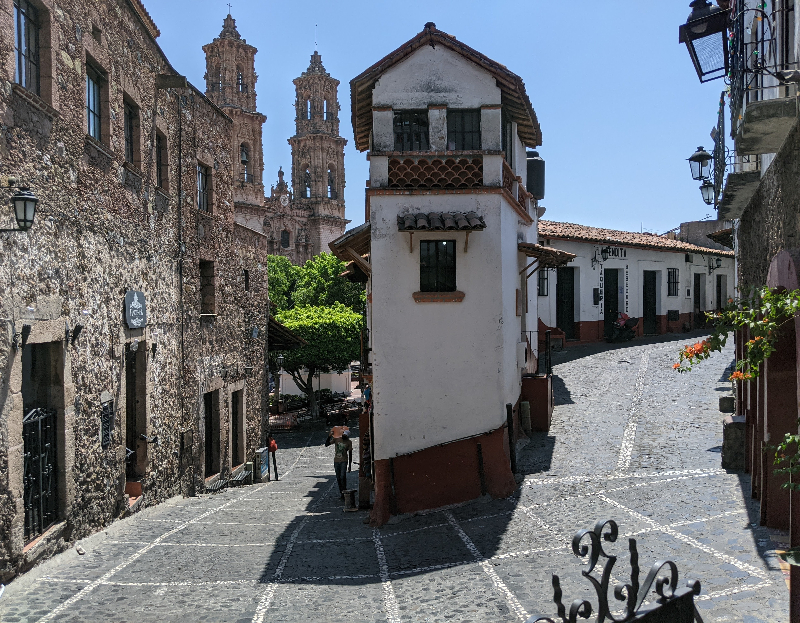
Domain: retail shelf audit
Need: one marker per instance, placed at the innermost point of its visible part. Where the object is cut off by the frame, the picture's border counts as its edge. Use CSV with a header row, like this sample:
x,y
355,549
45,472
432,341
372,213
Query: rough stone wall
x,y
771,222
101,229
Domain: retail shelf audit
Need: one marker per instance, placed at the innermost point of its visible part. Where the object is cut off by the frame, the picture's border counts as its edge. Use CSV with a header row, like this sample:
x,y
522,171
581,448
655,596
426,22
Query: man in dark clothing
x,y
273,448
343,457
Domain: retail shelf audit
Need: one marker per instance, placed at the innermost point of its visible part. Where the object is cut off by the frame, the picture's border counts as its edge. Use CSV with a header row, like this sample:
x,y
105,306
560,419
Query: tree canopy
x,y
315,284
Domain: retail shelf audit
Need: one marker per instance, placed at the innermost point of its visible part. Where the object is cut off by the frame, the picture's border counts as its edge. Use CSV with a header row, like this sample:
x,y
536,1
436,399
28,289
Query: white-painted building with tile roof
x,y
666,283
450,226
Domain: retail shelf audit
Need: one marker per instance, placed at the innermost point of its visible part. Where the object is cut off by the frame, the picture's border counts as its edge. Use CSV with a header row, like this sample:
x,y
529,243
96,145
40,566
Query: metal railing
x,y
39,473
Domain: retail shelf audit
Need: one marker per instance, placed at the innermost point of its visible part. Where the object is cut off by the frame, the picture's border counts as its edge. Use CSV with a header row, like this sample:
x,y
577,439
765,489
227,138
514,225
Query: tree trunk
x,y
307,387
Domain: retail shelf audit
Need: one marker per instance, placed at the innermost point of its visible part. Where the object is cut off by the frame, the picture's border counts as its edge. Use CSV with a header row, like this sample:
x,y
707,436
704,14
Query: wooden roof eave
x,y
547,257
281,338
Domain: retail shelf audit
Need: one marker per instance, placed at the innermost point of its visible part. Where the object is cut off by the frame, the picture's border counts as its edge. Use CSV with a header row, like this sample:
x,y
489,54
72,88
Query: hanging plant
x,y
763,314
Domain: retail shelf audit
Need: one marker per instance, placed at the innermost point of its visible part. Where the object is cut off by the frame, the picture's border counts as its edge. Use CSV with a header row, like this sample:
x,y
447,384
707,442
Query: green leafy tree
x,y
283,277
333,336
319,284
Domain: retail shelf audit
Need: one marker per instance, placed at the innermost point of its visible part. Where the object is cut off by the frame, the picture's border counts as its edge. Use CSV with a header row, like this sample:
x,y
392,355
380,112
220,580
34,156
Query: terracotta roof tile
x,y
441,221
584,233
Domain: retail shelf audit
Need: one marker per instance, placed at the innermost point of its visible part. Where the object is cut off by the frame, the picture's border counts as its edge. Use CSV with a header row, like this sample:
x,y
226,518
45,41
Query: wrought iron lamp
x,y
24,204
605,252
704,34
714,265
700,164
707,190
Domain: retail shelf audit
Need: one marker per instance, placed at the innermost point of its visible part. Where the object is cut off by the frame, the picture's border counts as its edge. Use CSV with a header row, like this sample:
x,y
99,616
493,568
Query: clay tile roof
x,y
357,240
441,221
514,98
723,237
548,257
138,6
584,233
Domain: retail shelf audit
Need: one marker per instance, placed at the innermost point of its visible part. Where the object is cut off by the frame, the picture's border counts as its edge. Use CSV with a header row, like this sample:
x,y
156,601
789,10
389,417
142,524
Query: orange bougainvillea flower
x,y
676,366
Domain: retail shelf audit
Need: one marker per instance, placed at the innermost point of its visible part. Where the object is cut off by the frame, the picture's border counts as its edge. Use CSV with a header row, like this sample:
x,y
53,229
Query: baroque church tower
x,y
231,85
318,155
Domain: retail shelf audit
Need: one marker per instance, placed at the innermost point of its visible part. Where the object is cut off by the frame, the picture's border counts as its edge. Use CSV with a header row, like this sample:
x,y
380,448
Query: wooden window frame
x,y
542,283
463,129
162,161
411,130
437,266
204,188
95,86
131,132
28,20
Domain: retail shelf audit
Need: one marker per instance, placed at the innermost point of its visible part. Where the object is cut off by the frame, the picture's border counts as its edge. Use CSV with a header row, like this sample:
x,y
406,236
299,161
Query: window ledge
x,y
101,147
35,101
439,297
132,168
207,317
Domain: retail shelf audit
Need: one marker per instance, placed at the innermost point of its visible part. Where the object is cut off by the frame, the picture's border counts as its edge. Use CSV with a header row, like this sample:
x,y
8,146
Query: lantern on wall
x,y
700,164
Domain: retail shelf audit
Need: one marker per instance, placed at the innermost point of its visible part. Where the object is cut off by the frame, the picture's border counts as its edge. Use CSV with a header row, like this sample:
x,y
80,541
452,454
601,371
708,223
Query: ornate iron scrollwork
x,y
662,579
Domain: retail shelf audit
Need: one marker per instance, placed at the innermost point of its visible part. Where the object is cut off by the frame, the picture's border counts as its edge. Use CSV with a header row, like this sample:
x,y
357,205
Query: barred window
x,y
437,266
672,282
203,188
411,130
26,42
542,285
94,115
463,130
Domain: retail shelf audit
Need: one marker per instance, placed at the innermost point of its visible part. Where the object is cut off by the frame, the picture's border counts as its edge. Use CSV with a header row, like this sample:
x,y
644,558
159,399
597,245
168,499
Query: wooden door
x,y
610,298
565,301
649,311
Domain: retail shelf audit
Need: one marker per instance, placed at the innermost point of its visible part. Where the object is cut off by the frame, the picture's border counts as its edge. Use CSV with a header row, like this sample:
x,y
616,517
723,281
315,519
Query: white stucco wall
x,y
435,76
443,371
635,263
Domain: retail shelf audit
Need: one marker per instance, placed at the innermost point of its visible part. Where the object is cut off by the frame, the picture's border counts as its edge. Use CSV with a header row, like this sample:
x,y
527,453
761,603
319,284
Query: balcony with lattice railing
x,y
436,171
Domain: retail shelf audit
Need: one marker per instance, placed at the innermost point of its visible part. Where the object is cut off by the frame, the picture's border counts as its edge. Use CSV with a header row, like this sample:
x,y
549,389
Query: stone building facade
x,y
133,318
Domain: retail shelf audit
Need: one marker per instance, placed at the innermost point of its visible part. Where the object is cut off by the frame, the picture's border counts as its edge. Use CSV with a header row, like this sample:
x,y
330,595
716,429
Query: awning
x,y
353,246
281,338
441,221
723,237
548,257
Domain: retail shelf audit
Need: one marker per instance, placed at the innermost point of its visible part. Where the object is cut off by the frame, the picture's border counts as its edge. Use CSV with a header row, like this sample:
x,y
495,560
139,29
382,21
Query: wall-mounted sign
x,y
135,310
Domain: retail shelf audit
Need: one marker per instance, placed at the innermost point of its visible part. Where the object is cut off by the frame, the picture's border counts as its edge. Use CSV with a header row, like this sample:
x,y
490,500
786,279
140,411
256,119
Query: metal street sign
x,y
135,310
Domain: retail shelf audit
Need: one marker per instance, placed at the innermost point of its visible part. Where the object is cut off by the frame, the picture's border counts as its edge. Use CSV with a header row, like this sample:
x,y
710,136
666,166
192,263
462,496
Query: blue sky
x,y
617,98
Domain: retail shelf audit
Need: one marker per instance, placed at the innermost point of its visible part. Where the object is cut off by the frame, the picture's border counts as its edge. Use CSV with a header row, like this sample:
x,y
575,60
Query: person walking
x,y
272,445
343,455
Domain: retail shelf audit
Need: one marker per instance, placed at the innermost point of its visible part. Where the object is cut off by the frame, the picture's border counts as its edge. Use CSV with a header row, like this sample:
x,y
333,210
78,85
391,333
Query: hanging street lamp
x,y
700,164
707,190
705,36
24,205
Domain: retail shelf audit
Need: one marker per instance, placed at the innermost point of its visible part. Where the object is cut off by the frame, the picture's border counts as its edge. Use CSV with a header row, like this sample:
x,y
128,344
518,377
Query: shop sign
x,y
135,310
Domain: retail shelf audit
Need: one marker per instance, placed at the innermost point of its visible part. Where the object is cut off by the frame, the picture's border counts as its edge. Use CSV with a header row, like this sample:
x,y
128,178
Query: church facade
x,y
300,218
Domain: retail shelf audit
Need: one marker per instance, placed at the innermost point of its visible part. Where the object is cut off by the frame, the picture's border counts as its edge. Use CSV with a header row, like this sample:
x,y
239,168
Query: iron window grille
x,y
131,116
107,421
411,130
39,471
93,103
202,188
673,287
208,294
26,39
542,283
437,266
463,130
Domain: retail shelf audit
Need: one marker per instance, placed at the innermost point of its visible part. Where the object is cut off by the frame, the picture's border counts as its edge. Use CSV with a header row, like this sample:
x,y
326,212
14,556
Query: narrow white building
x,y
450,228
666,283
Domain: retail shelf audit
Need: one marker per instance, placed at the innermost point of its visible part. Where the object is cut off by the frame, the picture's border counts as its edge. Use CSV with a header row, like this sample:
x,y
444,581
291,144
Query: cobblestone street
x,y
631,440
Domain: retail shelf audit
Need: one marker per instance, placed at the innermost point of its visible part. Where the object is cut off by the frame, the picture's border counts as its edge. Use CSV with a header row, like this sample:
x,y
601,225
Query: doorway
x,y
610,299
237,428
699,301
722,291
135,411
211,429
649,298
565,301
42,386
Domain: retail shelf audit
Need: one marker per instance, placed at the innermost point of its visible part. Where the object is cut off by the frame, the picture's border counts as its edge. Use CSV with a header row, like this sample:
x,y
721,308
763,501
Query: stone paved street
x,y
631,440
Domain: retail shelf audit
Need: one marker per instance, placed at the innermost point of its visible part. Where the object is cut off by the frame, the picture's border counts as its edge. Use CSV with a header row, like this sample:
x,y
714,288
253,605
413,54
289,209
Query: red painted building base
x,y
447,474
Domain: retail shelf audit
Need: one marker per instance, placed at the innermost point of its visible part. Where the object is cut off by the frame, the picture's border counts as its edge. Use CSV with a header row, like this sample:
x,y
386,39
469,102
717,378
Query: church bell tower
x,y
318,155
231,85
